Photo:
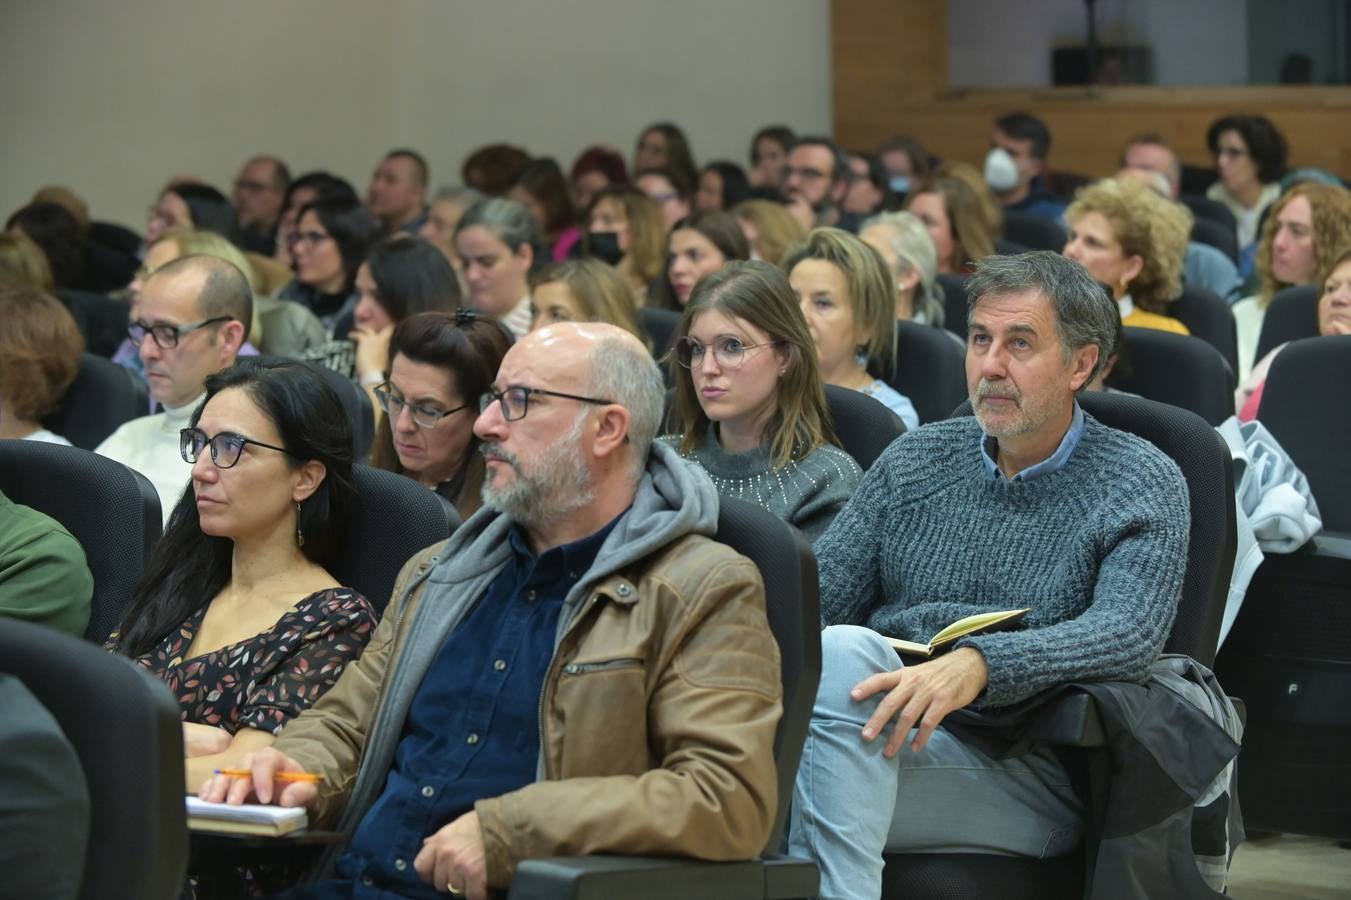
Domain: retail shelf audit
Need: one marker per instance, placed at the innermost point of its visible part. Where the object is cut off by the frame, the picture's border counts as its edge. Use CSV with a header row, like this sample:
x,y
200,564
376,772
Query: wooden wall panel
x,y
890,75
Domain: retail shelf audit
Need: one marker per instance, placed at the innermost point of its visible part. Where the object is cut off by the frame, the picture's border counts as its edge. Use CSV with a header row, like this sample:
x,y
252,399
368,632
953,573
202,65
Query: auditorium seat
x,y
954,302
864,425
660,326
930,370
111,510
1211,233
1203,208
1034,232
1210,319
1293,314
102,397
101,320
126,729
1175,369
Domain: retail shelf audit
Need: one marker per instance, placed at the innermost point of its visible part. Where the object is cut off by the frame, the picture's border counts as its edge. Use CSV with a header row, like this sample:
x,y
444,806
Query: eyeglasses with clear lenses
x,y
166,336
515,400
728,351
226,447
310,239
423,416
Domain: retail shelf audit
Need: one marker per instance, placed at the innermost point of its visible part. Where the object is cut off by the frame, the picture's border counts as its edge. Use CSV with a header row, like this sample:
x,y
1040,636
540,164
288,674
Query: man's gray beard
x,y
558,486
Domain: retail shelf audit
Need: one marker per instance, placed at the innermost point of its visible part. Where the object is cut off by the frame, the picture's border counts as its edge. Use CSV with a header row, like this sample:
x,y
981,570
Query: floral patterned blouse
x,y
265,681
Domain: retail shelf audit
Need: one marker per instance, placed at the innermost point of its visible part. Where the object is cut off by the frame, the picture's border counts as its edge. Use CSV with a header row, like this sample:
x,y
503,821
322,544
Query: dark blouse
x,y
266,680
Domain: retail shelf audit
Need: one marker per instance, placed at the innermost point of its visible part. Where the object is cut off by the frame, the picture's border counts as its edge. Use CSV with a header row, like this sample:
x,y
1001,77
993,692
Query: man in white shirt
x,y
194,316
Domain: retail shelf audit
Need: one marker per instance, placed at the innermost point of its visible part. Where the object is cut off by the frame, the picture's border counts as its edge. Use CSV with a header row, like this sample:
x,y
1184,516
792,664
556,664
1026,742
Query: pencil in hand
x,y
306,777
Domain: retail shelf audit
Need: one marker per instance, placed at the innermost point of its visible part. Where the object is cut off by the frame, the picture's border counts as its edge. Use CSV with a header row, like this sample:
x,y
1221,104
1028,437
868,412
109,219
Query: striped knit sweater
x,y
1096,549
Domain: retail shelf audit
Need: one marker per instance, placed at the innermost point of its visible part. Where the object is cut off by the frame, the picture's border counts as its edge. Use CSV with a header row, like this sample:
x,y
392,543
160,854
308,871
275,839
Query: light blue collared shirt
x,y
1053,463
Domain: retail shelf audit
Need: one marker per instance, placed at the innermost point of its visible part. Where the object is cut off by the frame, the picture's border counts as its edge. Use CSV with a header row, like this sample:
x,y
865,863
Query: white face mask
x,y
1001,172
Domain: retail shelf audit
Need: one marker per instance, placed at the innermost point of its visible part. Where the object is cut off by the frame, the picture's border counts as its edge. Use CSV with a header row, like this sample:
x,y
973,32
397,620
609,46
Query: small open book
x,y
248,818
977,624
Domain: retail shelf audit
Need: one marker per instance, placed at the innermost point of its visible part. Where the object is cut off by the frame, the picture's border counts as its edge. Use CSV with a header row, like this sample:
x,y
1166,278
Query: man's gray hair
x,y
1085,313
623,372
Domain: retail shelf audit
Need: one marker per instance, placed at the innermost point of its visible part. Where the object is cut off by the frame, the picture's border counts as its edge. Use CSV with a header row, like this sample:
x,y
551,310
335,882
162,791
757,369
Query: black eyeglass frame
x,y
185,436
384,395
176,330
487,397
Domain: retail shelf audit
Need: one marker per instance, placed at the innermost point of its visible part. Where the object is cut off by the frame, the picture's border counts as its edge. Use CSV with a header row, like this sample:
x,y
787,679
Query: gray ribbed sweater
x,y
807,493
1096,549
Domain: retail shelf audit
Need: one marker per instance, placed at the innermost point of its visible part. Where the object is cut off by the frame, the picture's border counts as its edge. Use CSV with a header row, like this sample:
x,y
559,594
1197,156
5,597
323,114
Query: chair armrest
x,y
649,877
1332,544
1070,720
790,879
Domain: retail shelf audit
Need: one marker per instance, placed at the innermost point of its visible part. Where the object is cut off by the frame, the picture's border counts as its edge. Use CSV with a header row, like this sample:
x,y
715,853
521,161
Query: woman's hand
x,y
372,349
204,740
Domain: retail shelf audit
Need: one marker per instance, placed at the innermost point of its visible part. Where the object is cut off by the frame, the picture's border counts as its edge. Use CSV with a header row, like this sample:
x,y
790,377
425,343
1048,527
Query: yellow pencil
x,y
308,777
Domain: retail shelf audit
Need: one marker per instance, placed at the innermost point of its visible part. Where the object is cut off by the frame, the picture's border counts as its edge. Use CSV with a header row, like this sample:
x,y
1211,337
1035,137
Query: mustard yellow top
x,y
1140,318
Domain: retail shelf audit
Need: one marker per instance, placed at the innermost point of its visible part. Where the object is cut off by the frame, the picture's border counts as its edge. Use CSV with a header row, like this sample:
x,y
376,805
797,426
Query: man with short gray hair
x,y
1029,503
579,669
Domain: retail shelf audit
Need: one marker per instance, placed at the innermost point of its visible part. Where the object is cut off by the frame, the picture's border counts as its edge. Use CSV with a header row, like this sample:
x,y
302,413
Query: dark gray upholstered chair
x,y
930,369
660,326
791,594
111,510
1034,232
102,397
864,426
125,727
1206,465
1205,209
1175,369
1213,234
396,518
1288,655
1293,314
954,302
1210,319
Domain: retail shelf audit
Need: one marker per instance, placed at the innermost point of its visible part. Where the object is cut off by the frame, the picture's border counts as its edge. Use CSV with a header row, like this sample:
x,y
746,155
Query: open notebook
x,y
249,818
977,624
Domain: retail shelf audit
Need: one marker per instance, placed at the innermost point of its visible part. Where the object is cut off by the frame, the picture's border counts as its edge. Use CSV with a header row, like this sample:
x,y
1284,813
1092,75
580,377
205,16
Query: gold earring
x,y
300,536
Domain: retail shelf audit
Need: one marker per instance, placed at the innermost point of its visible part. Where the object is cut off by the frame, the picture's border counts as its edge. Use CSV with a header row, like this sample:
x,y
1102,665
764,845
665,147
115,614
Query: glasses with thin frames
x,y
310,239
515,400
167,336
728,351
423,416
226,447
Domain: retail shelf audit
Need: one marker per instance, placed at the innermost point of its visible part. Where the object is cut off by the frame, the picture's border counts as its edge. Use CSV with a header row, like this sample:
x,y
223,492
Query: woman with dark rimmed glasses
x,y
751,401
238,612
439,364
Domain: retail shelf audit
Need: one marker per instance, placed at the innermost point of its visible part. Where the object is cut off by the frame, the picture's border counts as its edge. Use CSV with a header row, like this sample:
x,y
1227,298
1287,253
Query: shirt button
x,y
500,665
367,880
428,790
473,738
400,864
530,595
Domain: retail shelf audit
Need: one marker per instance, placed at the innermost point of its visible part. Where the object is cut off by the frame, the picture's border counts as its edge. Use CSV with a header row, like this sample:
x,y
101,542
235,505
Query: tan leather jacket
x,y
657,714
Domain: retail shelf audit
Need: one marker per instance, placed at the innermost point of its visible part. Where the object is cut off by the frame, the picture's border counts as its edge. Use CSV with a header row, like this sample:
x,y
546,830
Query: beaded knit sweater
x,y
1096,549
807,493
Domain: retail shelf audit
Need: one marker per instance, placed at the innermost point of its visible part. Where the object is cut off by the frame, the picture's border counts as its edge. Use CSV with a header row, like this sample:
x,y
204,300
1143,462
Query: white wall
x,y
996,43
114,98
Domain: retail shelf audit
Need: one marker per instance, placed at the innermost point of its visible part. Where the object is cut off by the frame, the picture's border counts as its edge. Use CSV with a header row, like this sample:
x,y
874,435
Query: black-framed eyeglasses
x,y
804,174
226,447
166,336
515,400
308,238
423,416
729,352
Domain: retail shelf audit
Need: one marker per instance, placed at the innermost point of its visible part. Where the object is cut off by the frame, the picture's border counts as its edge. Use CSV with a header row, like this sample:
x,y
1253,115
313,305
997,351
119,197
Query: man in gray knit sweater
x,y
1030,503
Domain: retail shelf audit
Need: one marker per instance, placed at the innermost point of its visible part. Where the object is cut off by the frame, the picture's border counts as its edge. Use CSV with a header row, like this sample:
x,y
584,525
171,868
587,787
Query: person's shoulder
x,y
26,526
130,434
943,440
831,460
1128,458
692,562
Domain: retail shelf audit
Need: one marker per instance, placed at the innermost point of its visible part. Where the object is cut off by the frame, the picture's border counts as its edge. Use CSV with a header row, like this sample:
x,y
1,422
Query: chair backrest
x,y
1035,232
102,397
1203,207
1208,469
930,369
1177,370
954,302
396,518
111,510
355,402
864,425
792,604
102,320
1303,408
1208,231
1004,247
660,326
1292,315
1209,318
125,727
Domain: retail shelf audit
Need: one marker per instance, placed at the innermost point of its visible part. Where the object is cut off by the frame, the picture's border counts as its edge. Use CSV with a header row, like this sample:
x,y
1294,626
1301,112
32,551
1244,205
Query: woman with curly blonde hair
x,y
1304,231
1133,241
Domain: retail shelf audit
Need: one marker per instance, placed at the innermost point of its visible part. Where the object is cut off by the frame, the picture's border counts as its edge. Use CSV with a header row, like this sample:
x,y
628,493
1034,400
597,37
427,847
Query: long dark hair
x,y
466,345
54,229
189,567
412,276
209,208
350,225
543,180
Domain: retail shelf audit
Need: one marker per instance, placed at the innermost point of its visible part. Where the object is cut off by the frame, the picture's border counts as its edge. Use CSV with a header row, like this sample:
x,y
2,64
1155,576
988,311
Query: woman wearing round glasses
x,y
749,392
439,365
238,612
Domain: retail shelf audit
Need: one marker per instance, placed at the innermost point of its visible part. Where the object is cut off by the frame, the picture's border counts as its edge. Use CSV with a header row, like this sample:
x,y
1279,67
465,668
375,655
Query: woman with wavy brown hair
x,y
958,221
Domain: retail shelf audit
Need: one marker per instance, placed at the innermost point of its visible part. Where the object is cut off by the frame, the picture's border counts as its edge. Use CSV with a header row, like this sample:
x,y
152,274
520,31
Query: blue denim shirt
x,y
472,730
1056,461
